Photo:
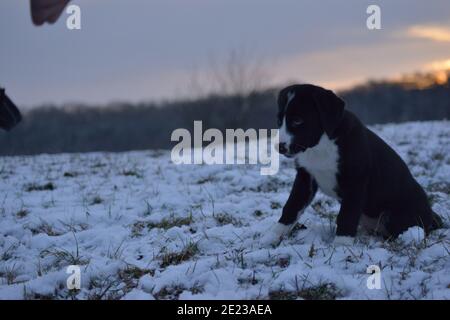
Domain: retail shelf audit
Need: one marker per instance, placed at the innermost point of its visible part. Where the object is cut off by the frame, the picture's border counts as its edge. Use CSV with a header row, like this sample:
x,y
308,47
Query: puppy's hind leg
x,y
403,219
374,225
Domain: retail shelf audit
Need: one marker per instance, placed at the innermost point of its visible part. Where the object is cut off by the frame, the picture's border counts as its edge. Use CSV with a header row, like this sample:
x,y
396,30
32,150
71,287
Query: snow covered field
x,y
143,228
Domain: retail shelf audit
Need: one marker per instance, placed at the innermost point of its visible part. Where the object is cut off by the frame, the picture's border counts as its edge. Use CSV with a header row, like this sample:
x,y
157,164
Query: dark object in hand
x,y
9,114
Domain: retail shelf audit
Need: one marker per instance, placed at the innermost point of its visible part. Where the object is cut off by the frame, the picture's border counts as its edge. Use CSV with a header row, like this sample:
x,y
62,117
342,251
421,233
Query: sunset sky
x,y
138,50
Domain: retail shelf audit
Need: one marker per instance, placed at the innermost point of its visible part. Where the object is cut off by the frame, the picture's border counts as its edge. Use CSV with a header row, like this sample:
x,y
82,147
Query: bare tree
x,y
238,75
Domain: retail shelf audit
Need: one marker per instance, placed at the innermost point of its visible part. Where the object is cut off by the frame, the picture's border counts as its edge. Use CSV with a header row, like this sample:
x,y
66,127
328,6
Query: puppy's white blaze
x,y
290,96
285,136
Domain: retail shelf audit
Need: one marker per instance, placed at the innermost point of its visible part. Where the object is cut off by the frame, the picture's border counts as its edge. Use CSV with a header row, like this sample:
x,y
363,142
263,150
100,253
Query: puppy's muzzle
x,y
282,148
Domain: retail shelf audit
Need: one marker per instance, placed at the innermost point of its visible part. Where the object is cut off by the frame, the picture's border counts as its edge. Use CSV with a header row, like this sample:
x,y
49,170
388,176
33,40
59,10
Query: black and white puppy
x,y
335,152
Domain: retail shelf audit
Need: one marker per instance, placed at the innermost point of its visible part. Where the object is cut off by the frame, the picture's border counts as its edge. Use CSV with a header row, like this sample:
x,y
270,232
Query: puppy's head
x,y
305,113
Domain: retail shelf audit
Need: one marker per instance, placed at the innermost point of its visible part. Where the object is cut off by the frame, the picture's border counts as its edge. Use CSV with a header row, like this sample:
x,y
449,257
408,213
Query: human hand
x,y
46,10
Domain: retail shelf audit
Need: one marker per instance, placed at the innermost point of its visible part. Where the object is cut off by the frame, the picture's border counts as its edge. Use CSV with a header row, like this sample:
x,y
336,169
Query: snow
x,y
141,227
413,235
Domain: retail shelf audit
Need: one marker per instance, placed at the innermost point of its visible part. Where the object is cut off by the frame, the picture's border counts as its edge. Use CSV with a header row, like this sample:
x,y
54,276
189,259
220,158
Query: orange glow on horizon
x,y
435,33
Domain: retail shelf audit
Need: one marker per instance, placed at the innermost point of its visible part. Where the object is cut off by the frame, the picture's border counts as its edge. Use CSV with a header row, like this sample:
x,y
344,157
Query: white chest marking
x,y
321,161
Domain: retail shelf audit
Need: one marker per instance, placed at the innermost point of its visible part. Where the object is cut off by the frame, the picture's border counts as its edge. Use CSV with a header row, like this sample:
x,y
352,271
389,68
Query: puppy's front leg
x,y
348,218
302,193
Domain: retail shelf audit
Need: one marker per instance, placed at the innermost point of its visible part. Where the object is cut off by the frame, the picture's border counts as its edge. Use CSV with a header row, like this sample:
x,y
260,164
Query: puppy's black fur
x,y
371,178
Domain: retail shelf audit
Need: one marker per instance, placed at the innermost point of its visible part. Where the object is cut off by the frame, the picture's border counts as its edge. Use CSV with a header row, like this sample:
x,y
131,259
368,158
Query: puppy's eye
x,y
296,122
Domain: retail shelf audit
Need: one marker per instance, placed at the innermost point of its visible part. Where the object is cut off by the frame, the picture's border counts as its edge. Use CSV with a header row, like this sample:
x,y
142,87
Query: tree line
x,y
123,127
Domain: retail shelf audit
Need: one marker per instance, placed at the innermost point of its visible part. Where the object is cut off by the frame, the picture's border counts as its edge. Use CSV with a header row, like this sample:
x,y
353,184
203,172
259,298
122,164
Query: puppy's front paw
x,y
343,241
274,235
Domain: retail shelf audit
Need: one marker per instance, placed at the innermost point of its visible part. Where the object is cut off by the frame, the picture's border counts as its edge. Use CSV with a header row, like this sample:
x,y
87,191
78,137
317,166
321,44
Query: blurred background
x,y
139,69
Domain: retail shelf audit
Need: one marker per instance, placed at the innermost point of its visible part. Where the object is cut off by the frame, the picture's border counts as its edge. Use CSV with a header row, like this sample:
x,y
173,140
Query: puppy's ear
x,y
331,110
282,99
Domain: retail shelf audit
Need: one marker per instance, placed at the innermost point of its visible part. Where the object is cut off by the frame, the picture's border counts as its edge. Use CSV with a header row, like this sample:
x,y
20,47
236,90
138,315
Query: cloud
x,y
438,65
434,33
347,66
